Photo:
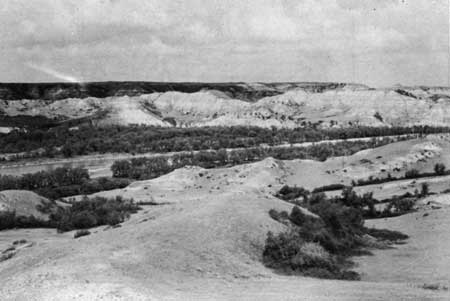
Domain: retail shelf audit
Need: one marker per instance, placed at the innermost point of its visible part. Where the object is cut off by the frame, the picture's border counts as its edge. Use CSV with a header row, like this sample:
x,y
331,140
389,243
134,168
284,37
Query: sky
x,y
375,42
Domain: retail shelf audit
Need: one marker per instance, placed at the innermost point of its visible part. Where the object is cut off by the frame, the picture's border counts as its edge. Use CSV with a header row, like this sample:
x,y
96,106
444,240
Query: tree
x,y
121,169
425,189
439,169
413,173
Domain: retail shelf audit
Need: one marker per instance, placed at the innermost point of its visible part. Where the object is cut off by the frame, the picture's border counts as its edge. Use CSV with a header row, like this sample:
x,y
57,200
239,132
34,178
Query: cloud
x,y
368,4
55,74
159,39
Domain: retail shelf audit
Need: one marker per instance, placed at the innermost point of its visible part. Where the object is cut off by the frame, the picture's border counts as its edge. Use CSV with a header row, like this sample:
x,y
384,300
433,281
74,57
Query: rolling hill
x,y
287,105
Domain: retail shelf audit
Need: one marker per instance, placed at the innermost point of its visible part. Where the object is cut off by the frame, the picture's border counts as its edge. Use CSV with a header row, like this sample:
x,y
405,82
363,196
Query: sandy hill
x,y
218,234
22,202
204,241
292,105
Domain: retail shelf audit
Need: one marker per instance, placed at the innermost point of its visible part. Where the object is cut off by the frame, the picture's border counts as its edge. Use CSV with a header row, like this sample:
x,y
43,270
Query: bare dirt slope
x,y
203,242
424,259
290,106
22,202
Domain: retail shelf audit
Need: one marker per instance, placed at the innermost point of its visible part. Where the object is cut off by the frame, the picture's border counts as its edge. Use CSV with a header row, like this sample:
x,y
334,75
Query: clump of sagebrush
x,y
92,212
10,220
142,168
396,205
320,244
61,182
80,233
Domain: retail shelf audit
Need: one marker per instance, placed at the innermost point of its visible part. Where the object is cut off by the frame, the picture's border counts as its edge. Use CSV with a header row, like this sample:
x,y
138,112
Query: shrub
x,y
365,203
411,174
83,219
299,218
60,182
424,189
278,216
93,212
402,205
80,233
316,198
289,193
440,169
9,220
320,246
329,188
151,167
384,234
140,139
378,116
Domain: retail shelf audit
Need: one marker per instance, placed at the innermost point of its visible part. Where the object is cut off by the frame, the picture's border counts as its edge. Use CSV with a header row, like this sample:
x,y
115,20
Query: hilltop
x,y
287,105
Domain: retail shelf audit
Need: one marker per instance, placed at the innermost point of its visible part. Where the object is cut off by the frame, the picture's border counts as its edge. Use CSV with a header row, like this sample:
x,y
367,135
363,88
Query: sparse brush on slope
x,y
152,167
92,212
10,220
320,246
87,213
396,205
60,182
81,233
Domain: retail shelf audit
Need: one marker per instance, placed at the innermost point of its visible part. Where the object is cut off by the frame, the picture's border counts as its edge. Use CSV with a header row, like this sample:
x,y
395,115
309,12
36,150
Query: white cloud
x,y
103,38
272,23
54,73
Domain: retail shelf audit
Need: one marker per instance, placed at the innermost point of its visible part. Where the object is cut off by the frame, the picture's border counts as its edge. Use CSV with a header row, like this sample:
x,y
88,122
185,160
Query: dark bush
x,y
424,189
80,233
151,167
384,234
440,169
60,182
329,188
320,246
83,220
298,217
397,205
93,212
9,220
411,174
88,139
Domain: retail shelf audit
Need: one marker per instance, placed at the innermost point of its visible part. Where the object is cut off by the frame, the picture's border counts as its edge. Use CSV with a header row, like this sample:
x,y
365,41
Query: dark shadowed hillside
x,y
242,91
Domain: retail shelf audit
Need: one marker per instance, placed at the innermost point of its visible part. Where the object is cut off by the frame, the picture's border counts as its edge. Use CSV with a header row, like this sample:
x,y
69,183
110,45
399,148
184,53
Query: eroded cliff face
x,y
291,105
242,91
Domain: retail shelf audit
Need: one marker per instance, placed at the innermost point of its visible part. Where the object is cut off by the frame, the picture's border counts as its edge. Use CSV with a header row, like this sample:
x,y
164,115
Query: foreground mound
x,y
220,236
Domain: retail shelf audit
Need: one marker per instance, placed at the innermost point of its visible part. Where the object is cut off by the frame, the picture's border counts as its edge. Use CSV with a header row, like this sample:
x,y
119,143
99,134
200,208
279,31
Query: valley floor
x,y
99,165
